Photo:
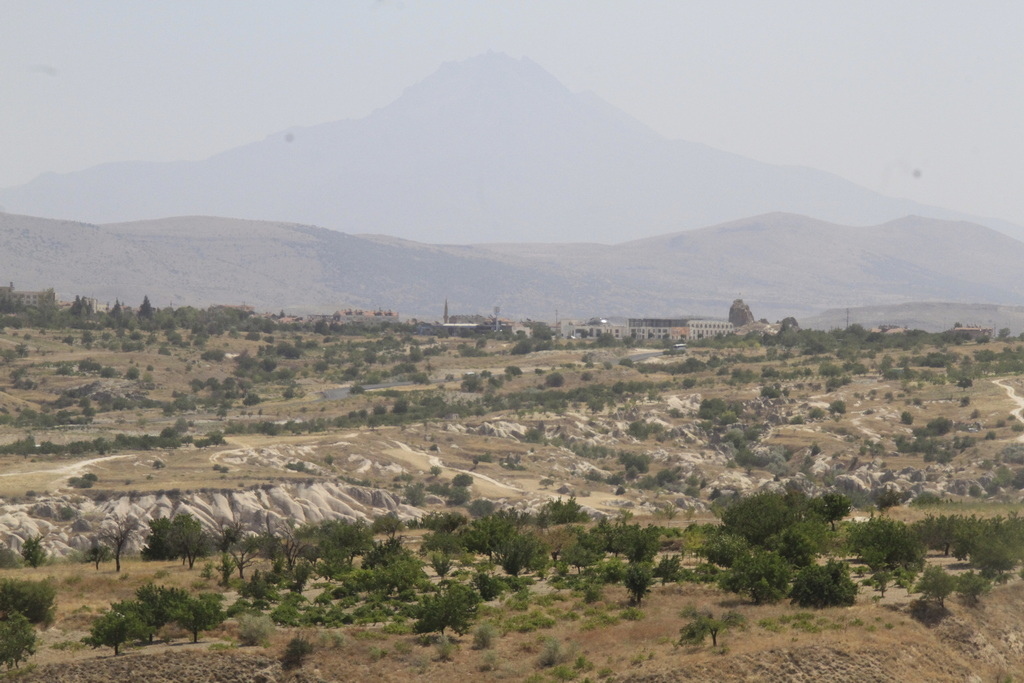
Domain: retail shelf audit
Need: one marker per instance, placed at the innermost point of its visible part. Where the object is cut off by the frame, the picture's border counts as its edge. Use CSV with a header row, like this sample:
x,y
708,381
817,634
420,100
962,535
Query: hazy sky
x,y
917,99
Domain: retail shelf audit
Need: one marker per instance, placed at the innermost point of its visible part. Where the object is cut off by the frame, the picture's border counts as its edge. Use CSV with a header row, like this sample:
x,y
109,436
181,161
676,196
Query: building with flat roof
x,y
45,297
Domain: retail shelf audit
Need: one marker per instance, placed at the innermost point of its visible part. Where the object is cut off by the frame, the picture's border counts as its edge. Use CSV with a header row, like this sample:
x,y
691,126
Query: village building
x,y
45,297
358,315
973,331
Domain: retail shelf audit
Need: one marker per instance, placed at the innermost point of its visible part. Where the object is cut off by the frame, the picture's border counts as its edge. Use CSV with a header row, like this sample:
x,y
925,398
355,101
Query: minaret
x,y
446,311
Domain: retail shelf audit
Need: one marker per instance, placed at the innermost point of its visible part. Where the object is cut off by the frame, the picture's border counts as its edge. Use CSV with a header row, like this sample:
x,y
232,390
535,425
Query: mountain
x,y
781,264
928,316
491,149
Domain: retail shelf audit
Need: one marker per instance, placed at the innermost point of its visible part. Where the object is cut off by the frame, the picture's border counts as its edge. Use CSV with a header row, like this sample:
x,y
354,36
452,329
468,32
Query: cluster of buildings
x,y
361,316
671,329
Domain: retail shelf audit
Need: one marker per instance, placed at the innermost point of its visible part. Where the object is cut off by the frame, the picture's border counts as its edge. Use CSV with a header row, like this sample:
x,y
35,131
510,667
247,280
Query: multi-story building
x,y
703,328
593,328
678,329
34,299
672,329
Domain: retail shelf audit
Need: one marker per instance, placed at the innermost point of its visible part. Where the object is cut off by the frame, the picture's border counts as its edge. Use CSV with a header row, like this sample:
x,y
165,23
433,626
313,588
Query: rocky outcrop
x,y
739,314
106,390
306,502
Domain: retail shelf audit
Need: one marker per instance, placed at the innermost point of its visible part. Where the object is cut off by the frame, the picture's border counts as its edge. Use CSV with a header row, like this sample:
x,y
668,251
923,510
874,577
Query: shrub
x,y
445,648
551,653
255,629
484,635
296,651
32,599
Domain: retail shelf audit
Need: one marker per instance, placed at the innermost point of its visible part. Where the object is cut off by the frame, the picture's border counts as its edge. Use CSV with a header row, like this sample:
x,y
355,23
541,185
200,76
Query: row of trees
x,y
154,607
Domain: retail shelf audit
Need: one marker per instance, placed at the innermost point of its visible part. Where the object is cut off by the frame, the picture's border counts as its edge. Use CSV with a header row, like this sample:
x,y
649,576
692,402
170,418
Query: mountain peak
x,y
493,80
488,149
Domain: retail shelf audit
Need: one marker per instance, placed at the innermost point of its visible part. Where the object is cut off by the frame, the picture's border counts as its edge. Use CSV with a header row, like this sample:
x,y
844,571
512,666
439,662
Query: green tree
x,y
32,551
157,606
970,586
669,568
146,308
388,525
759,517
454,606
827,585
880,581
159,544
723,548
518,553
763,576
887,498
936,584
200,613
802,542
188,540
118,625
17,640
339,542
704,624
98,553
487,534
638,581
562,512
637,544
885,543
583,553
832,507
32,599
938,532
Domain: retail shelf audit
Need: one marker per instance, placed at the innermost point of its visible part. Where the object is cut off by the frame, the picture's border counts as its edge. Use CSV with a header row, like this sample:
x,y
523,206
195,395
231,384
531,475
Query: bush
x,y
826,585
484,635
551,653
31,599
554,380
296,651
255,628
445,648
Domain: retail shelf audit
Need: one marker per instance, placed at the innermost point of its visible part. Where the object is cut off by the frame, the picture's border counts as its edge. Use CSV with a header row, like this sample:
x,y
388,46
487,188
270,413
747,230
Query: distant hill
x,y
491,149
781,264
929,316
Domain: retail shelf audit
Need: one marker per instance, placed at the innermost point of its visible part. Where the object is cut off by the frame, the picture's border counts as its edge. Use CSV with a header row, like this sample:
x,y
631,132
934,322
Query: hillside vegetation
x,y
206,488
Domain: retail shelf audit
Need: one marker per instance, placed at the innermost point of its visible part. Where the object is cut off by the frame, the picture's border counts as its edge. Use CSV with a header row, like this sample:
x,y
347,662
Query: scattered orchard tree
x,y
453,606
17,640
936,584
827,585
704,624
763,576
200,613
115,627
639,579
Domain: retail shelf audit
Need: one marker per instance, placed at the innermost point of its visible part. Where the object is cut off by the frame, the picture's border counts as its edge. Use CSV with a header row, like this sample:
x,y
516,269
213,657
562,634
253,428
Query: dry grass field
x,y
497,425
